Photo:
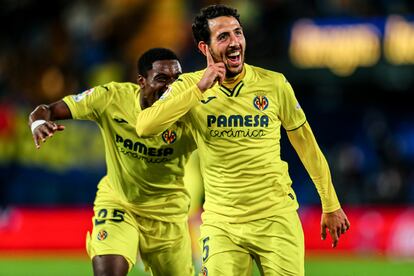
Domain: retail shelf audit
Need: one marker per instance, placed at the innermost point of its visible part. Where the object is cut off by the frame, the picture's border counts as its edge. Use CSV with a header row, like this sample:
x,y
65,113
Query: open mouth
x,y
234,58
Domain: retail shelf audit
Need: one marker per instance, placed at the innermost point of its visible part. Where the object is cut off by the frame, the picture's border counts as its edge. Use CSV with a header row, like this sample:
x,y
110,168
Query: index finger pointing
x,y
209,57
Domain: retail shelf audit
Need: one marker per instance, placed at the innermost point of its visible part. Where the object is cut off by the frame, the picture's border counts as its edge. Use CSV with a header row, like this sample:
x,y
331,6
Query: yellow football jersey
x,y
145,175
237,130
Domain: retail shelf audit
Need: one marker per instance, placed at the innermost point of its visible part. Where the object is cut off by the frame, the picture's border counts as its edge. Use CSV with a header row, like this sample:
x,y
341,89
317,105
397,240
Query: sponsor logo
x,y
204,271
237,121
261,102
208,99
102,235
141,151
250,123
81,96
169,136
142,148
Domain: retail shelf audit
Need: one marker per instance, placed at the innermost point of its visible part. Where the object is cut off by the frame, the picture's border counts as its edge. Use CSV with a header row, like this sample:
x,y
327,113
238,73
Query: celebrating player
x,y
141,204
235,111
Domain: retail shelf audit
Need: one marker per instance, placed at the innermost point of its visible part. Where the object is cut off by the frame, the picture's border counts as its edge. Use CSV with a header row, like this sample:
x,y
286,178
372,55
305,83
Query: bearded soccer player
x,y
141,204
235,111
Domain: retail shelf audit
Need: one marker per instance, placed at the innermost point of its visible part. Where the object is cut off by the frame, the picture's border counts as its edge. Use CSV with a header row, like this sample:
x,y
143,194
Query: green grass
x,y
358,267
315,266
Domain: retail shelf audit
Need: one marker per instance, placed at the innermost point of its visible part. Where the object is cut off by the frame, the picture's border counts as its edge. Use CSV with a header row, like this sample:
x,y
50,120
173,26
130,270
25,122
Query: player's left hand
x,y
337,223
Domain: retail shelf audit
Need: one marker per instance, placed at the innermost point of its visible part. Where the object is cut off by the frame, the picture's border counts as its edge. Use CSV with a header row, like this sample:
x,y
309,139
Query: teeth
x,y
235,54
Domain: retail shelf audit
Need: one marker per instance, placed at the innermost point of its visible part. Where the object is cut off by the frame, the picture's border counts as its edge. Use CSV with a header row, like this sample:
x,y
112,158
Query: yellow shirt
x,y
145,175
237,130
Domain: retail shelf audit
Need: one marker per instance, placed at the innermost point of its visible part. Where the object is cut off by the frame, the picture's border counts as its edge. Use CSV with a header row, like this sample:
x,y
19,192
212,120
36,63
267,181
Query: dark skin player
x,y
153,84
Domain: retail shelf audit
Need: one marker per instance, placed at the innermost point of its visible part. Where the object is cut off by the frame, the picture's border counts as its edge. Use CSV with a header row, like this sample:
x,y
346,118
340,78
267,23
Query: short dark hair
x,y
146,60
201,30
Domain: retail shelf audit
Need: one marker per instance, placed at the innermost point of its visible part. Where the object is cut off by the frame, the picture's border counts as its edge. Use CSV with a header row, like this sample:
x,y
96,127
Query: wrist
x,y
201,87
36,123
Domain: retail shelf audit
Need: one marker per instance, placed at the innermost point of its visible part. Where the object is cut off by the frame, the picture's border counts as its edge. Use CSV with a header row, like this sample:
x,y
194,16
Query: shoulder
x,y
261,74
191,76
120,87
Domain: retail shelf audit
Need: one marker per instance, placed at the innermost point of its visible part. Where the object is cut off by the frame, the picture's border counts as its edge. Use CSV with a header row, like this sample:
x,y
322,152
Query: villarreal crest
x,y
261,102
169,136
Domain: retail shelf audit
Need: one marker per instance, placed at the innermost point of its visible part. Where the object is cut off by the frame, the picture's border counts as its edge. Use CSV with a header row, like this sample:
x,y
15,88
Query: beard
x,y
234,72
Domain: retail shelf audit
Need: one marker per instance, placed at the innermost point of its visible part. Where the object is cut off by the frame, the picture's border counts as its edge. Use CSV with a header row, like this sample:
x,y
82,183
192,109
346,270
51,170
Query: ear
x,y
141,81
202,47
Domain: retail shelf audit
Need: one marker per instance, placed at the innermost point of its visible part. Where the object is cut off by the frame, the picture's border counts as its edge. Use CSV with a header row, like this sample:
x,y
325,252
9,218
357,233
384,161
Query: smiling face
x,y
162,74
227,43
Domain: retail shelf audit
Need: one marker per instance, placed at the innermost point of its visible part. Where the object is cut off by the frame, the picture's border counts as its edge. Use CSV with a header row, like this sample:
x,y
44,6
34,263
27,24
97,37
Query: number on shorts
x,y
101,214
117,216
205,248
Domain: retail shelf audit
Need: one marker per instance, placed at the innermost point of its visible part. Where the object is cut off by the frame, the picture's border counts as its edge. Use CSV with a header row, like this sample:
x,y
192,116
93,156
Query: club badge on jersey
x,y
261,102
82,95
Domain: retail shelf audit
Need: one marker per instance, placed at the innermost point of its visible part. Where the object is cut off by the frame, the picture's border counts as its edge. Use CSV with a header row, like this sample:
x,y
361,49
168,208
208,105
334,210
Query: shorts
x,y
164,247
275,243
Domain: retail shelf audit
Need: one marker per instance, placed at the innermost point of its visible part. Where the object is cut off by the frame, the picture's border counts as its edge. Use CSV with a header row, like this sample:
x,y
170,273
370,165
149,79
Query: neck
x,y
235,79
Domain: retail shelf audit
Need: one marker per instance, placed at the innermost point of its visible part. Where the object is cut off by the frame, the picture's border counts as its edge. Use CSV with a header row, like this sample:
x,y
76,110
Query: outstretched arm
x,y
41,120
333,217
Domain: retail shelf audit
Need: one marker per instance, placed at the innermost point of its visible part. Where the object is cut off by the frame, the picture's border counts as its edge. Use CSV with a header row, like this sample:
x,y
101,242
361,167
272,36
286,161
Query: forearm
x,y
164,113
55,111
316,165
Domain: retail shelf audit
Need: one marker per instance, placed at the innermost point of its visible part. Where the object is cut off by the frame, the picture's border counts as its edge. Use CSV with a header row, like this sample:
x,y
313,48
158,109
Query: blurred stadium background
x,y
350,62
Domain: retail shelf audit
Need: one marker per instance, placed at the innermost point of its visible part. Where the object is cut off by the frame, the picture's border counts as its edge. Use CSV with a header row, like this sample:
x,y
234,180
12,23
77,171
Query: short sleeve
x,y
90,104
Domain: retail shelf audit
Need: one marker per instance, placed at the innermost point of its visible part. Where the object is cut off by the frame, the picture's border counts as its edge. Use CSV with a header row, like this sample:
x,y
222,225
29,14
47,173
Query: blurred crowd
x,y
364,122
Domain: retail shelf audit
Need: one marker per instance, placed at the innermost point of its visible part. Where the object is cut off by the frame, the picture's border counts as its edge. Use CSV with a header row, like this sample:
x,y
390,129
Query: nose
x,y
170,80
234,40
167,84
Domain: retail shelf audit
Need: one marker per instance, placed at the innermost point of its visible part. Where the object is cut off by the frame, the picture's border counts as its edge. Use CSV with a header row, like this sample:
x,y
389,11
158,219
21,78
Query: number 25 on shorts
x,y
117,216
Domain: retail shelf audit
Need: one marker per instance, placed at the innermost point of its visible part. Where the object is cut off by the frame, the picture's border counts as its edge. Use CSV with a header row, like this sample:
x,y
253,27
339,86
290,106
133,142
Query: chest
x,y
120,129
246,106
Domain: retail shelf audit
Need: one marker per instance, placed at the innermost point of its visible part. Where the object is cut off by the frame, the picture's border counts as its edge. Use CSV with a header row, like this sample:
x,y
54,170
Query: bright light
x,y
341,48
399,41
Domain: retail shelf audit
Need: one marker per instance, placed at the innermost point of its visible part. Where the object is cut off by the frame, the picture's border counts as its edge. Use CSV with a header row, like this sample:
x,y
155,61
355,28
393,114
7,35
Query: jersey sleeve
x,y
90,104
291,113
304,142
179,98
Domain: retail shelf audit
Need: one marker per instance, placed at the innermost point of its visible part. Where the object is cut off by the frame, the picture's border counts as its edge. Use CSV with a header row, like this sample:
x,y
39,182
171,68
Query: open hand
x,y
44,131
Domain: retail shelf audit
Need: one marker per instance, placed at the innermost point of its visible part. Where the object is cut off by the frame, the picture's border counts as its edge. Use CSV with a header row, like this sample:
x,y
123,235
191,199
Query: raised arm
x,y
41,120
182,95
178,100
333,217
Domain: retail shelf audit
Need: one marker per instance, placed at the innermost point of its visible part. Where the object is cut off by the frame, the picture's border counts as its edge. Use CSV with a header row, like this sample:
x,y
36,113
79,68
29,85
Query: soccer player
x,y
141,203
235,111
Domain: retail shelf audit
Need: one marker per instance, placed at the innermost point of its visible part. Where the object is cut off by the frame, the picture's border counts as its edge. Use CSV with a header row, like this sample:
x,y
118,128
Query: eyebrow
x,y
235,29
161,75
